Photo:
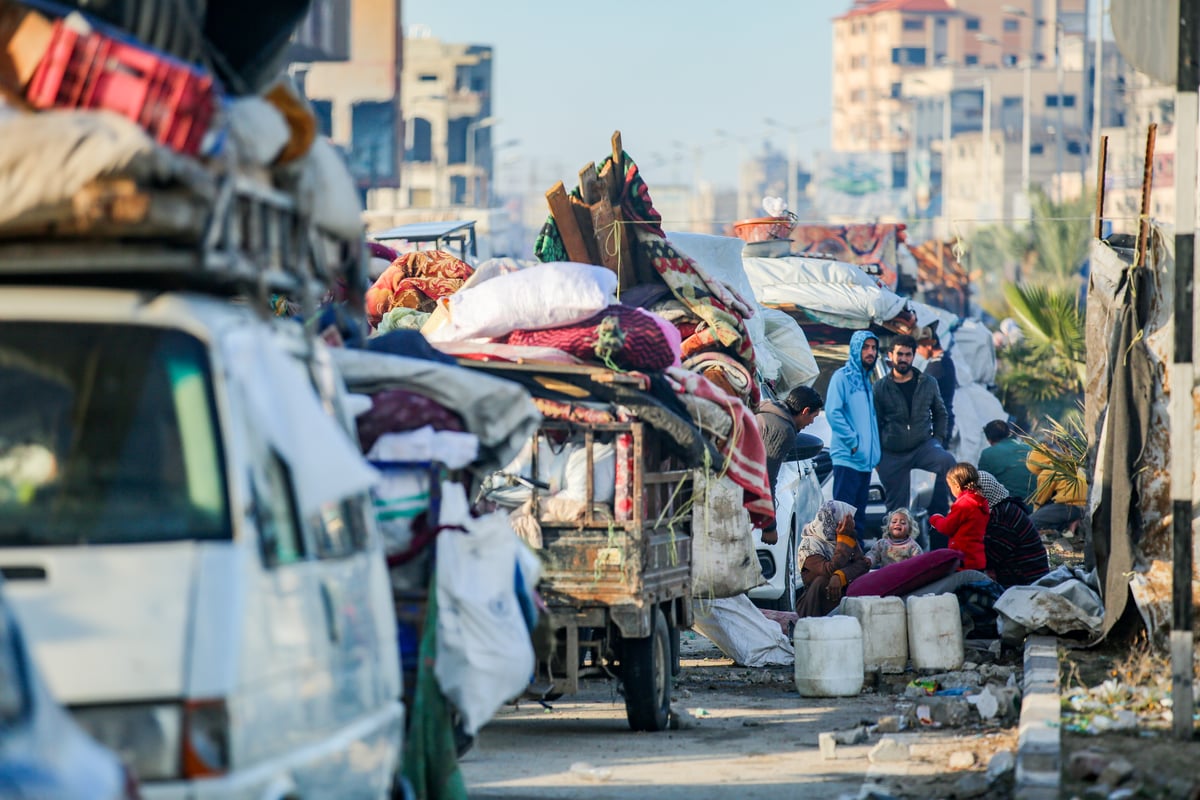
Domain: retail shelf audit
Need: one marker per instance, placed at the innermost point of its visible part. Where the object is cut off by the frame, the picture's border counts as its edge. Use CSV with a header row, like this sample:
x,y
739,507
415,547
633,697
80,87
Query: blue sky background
x,y
668,73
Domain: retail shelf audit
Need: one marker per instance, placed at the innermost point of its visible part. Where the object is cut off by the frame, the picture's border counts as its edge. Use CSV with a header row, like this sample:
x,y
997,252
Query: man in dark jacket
x,y
912,430
778,423
940,367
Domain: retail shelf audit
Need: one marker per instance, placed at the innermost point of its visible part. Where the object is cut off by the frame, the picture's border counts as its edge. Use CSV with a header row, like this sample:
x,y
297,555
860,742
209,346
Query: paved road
x,y
751,736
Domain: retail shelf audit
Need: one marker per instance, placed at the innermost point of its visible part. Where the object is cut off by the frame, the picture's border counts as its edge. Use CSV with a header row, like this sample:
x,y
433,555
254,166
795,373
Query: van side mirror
x,y
806,446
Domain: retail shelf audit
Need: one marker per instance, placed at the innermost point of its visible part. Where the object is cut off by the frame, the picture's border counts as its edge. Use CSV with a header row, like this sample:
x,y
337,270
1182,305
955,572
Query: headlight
x,y
146,737
874,495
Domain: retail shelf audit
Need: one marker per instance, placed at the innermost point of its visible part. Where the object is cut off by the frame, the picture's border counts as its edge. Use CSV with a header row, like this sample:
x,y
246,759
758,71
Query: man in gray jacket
x,y
779,423
913,429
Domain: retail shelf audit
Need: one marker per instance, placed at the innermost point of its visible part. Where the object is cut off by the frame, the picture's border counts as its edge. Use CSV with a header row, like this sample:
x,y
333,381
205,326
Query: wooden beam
x,y
1101,177
1147,186
589,184
568,228
583,218
611,237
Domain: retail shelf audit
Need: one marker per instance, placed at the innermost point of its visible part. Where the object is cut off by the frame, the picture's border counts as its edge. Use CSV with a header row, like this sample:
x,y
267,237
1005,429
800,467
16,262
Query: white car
x,y
797,498
43,753
203,586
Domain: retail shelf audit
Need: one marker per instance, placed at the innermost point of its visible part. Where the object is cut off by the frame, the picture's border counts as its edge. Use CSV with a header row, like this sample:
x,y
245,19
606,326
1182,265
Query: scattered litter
x,y
584,770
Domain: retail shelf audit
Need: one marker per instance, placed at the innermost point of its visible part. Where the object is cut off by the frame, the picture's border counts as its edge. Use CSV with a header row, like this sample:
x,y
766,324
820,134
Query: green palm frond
x,y
1062,445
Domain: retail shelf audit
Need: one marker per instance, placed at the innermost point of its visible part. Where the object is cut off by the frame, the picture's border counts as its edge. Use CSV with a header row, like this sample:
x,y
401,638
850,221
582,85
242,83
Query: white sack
x,y
974,407
604,473
327,191
739,629
832,292
484,654
453,449
724,562
258,129
545,296
974,354
786,340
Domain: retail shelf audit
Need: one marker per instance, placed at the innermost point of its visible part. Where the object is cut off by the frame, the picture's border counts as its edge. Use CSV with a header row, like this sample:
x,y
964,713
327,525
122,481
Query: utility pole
x,y
1183,377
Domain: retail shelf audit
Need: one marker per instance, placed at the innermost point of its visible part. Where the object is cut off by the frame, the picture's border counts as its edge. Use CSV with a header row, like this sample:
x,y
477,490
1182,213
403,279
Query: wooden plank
x,y
583,218
589,183
627,273
568,228
607,233
618,153
1147,186
1101,177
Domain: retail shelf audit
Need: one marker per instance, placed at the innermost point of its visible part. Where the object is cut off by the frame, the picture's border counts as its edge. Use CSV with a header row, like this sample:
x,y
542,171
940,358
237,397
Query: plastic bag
x,y
724,562
485,580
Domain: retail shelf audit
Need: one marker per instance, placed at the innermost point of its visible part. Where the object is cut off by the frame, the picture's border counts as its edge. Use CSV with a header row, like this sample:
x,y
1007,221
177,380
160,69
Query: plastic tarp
x,y
831,292
498,411
1064,601
786,339
974,354
325,462
974,407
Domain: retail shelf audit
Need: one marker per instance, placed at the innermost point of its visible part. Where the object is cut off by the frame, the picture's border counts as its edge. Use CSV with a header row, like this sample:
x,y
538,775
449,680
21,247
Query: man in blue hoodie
x,y
850,409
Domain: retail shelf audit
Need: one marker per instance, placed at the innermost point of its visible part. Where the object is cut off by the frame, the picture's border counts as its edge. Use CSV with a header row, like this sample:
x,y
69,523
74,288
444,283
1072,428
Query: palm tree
x,y
1060,236
1044,375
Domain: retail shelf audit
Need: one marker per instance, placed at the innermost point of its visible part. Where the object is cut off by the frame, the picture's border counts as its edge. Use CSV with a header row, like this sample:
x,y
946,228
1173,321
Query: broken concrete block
x,y
1001,764
963,759
888,750
828,746
853,736
973,784
950,712
1116,772
888,725
1086,765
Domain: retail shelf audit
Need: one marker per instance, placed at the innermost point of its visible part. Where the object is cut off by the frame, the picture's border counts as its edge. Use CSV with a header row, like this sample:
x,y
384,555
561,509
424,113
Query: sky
x,y
689,83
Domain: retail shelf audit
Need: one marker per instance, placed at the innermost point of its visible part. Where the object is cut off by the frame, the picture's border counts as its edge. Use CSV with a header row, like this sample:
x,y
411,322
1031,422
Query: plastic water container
x,y
884,622
829,656
935,634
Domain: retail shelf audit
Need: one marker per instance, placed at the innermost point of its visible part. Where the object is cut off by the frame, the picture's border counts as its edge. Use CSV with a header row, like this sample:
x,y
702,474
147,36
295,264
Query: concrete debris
x,y
682,720
986,703
889,724
998,673
828,746
584,770
888,751
1116,772
973,784
963,759
857,735
1124,793
1002,764
959,679
949,712
1086,765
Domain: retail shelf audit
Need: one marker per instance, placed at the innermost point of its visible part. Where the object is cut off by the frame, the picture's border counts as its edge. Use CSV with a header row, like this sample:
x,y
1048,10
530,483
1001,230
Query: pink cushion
x,y
906,576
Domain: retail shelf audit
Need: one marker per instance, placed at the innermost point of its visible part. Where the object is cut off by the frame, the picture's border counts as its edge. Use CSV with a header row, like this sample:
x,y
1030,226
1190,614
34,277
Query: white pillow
x,y
545,296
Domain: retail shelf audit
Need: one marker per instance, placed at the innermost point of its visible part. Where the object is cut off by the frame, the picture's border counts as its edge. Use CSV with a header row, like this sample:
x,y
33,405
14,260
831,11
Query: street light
x,y
472,129
1013,11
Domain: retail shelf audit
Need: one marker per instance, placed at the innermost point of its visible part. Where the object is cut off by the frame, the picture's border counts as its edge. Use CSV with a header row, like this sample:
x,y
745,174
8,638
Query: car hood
x,y
109,623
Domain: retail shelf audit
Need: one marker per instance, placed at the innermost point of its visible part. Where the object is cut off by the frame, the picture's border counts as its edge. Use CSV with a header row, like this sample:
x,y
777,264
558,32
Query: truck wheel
x,y
645,674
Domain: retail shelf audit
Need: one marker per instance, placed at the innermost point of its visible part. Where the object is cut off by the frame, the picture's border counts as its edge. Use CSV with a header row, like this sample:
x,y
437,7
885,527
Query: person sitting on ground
x,y
897,542
1016,555
966,524
779,423
1059,501
830,559
1005,459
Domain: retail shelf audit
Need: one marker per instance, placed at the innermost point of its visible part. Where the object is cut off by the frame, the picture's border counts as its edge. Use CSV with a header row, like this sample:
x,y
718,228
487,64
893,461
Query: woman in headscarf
x,y
830,559
1015,553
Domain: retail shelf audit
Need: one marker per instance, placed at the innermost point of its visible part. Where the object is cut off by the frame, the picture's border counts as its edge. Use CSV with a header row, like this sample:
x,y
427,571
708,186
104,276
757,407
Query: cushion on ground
x,y
905,576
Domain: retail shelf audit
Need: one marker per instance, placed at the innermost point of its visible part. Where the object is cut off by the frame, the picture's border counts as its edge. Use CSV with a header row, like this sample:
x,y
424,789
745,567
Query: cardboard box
x,y
24,36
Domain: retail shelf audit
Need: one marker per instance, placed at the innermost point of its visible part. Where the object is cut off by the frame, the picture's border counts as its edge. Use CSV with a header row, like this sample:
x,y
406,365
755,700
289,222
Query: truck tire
x,y
646,678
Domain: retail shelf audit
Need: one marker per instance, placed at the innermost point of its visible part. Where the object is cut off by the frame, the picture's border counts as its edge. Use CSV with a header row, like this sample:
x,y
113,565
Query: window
x,y
1010,102
339,529
420,148
896,89
1074,148
373,140
941,22
427,78
908,56
1068,101
1037,149
972,23
914,25
971,60
275,506
456,140
1009,60
1011,26
109,436
323,111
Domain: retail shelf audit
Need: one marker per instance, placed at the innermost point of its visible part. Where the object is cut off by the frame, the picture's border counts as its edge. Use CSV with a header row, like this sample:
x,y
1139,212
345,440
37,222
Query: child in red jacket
x,y
967,521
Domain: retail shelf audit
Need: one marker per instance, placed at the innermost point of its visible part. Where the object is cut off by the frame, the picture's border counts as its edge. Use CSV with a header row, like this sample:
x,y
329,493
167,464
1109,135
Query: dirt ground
x,y
1124,684
744,734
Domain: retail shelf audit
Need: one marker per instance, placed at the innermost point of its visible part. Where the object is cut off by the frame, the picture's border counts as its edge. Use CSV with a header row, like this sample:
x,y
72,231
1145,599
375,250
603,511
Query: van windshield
x,y
107,436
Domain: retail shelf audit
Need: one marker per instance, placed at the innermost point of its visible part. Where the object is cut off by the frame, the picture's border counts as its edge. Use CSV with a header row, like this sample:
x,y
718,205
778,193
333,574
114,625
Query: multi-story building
x,y
357,100
324,35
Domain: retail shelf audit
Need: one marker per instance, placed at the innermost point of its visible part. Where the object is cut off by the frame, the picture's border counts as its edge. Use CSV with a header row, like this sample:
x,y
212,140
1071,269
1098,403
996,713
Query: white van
x,y
183,535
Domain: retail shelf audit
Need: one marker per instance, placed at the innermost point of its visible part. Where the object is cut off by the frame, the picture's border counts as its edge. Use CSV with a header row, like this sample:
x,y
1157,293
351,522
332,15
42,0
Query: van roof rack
x,y
247,238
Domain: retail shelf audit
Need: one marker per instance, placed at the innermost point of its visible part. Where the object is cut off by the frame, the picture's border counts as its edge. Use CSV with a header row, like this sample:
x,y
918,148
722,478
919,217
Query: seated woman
x,y
830,559
1015,553
1060,499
